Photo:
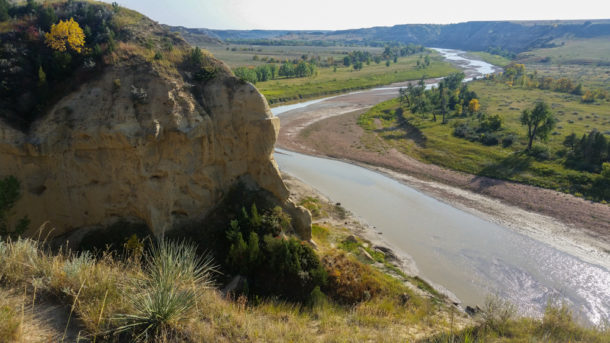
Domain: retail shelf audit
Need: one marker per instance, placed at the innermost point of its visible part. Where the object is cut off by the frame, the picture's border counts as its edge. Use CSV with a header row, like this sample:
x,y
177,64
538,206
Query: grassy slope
x,y
103,289
573,51
591,76
100,290
491,58
442,148
346,79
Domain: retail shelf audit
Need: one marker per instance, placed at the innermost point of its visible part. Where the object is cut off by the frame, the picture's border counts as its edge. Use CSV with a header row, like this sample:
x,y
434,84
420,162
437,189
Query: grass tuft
x,y
174,277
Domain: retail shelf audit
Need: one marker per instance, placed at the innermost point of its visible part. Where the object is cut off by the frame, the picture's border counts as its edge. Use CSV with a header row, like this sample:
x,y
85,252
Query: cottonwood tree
x,y
66,34
442,93
474,106
540,121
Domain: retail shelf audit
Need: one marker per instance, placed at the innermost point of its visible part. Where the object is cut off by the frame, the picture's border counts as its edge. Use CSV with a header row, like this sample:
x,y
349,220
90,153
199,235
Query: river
x,y
467,255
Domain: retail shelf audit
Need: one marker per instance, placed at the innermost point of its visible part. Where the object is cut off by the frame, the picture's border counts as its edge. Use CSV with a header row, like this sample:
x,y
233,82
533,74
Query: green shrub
x,y
490,138
317,298
205,73
508,140
290,269
491,123
246,74
540,152
273,263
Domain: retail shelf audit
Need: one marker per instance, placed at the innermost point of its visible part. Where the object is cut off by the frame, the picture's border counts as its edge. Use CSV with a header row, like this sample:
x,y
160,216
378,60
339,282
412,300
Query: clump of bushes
x,y
485,129
203,69
540,152
349,281
588,152
252,237
272,262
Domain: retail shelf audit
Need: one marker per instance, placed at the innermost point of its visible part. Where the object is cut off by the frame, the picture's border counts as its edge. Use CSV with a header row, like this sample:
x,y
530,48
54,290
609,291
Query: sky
x,y
344,14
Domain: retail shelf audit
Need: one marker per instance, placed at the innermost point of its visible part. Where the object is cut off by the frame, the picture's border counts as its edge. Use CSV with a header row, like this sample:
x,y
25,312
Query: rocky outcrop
x,y
141,145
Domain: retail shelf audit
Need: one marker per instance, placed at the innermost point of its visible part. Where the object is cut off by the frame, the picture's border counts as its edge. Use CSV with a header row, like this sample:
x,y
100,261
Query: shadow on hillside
x,y
409,131
505,169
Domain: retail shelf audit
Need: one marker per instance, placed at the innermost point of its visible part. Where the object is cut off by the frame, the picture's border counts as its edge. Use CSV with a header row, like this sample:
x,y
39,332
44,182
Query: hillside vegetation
x,y
571,50
143,290
35,72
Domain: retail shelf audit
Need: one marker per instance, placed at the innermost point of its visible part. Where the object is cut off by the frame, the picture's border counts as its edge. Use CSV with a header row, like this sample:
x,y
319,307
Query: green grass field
x,y
572,51
491,58
242,55
444,149
347,79
327,81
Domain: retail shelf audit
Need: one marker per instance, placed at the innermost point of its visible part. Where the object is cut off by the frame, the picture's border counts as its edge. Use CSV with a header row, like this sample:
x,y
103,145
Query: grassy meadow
x,y
327,80
572,51
497,60
239,55
591,76
346,79
438,145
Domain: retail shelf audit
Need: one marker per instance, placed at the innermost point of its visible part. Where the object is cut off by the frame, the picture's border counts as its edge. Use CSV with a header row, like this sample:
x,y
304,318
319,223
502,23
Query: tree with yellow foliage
x,y
473,106
66,34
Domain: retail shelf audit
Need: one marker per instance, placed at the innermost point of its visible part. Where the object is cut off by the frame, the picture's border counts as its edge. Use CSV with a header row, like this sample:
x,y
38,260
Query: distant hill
x,y
512,36
196,36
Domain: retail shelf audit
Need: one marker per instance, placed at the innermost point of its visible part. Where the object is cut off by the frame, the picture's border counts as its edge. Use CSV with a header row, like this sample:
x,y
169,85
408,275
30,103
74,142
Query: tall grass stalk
x,y
72,310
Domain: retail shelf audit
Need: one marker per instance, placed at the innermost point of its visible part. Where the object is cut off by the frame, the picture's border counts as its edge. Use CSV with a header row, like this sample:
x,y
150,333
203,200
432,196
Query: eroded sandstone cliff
x,y
136,144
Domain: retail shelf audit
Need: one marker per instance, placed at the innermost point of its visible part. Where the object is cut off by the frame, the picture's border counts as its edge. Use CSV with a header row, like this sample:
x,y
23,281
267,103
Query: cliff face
x,y
136,144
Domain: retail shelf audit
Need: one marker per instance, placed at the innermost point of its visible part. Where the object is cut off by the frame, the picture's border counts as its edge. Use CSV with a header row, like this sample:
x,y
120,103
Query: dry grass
x,y
101,289
10,318
93,294
556,326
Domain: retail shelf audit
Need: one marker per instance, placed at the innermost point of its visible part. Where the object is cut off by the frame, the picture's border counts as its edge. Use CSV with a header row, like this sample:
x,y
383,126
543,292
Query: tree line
x,y
271,71
515,75
589,152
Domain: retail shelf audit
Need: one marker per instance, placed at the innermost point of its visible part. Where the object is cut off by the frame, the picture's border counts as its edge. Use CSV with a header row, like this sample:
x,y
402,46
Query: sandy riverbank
x,y
360,228
571,224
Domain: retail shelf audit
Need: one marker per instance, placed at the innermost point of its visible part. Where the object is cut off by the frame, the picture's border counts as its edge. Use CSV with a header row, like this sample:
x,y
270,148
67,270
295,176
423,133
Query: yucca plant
x,y
174,276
